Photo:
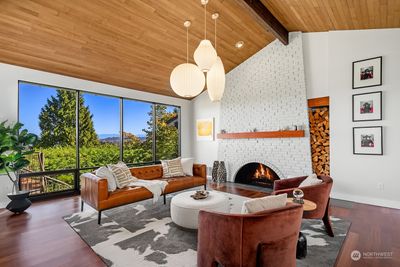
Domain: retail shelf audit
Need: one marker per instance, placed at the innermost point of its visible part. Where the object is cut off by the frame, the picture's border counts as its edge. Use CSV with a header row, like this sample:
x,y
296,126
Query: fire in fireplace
x,y
256,173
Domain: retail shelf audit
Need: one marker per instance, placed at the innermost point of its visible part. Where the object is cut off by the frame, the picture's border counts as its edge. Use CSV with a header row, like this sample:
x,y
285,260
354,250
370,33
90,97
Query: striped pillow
x,y
122,174
172,168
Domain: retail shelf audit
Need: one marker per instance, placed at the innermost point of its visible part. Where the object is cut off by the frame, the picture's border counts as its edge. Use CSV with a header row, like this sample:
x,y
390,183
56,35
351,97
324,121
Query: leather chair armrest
x,y
93,189
200,170
288,183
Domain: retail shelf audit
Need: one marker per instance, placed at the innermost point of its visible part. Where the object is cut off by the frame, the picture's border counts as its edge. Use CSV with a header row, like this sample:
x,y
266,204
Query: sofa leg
x,y
99,217
165,199
82,205
205,187
327,221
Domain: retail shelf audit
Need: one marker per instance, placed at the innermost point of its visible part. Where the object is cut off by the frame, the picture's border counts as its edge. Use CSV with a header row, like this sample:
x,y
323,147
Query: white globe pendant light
x,y
205,54
216,81
216,75
186,79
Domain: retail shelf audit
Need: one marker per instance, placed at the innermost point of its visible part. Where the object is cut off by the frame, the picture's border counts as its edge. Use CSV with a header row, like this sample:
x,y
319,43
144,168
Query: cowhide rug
x,y
143,234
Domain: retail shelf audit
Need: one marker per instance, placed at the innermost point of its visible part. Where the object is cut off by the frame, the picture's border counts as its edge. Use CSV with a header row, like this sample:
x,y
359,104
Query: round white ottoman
x,y
185,209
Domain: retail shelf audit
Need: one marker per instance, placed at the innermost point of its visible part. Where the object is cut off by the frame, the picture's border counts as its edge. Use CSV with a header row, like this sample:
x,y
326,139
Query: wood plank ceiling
x,y
137,43
133,44
326,15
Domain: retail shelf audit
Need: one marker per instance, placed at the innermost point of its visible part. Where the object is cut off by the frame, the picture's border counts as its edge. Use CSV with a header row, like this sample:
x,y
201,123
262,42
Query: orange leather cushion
x,y
147,172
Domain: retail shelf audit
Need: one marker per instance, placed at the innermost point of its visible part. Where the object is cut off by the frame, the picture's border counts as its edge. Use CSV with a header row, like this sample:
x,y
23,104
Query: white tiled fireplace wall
x,y
267,92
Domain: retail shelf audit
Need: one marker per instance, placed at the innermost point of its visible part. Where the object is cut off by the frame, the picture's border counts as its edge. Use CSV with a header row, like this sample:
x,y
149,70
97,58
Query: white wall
x,y
205,151
315,49
10,74
356,177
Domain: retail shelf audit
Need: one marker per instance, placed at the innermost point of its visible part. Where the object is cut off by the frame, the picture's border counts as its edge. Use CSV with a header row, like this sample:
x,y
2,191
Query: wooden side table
x,y
307,206
301,250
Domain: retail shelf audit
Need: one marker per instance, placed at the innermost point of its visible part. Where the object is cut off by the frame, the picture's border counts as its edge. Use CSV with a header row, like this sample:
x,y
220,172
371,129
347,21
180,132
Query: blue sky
x,y
105,110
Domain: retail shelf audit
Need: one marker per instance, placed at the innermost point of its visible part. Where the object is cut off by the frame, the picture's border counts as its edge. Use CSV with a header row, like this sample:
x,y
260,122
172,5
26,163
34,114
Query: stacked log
x,y
319,138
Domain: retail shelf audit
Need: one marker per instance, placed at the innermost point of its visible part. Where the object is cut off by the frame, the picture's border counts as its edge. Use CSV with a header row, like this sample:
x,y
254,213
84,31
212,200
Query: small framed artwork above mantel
x,y
367,72
367,107
368,140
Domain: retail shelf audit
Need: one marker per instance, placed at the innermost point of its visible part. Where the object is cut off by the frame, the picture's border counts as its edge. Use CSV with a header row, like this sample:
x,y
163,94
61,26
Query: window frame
x,y
77,170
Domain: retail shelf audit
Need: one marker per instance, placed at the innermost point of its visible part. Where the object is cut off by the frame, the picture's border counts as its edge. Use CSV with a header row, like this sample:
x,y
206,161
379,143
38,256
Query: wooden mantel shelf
x,y
273,134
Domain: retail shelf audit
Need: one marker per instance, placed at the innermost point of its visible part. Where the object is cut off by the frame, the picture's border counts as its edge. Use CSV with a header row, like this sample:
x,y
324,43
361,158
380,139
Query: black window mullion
x,y
179,133
77,108
154,133
121,129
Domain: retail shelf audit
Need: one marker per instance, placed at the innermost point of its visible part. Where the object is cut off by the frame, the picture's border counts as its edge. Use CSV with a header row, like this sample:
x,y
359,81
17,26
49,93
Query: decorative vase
x,y
19,202
214,173
221,172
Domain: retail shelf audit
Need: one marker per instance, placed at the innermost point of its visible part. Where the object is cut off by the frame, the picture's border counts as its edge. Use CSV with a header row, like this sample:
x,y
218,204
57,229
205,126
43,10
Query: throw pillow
x,y
311,180
104,172
187,166
172,168
122,174
264,203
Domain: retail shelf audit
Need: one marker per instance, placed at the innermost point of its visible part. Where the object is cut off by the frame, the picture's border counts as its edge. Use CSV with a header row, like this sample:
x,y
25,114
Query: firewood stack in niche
x,y
319,138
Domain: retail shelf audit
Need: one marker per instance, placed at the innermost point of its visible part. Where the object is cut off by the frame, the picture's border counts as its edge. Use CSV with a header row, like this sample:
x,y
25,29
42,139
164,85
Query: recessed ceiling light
x,y
239,44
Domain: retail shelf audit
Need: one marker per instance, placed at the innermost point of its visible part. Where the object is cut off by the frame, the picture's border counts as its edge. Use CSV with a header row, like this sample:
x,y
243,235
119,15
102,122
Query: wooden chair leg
x,y
327,221
99,217
82,205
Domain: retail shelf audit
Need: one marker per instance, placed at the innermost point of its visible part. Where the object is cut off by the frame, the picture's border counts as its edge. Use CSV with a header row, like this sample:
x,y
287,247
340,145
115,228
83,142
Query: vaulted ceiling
x,y
137,43
325,15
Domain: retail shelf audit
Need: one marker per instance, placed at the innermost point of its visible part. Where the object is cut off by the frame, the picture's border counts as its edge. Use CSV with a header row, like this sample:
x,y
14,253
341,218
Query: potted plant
x,y
15,145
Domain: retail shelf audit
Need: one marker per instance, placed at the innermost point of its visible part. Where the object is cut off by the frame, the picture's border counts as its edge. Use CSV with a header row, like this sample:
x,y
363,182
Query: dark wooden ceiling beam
x,y
265,17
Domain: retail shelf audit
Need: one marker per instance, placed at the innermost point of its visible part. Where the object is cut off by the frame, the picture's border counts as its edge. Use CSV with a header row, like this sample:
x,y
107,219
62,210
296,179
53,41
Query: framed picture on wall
x,y
367,72
205,129
367,107
368,140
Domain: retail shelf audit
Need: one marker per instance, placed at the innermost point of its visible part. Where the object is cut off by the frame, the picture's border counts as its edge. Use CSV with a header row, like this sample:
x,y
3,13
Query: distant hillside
x,y
114,138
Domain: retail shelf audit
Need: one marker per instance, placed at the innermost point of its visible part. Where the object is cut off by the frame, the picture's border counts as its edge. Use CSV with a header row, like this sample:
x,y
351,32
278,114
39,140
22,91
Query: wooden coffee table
x,y
301,250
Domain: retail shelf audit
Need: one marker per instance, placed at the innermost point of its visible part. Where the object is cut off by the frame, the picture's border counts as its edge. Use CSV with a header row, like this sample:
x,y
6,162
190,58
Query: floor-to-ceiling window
x,y
138,131
79,131
167,131
99,127
49,113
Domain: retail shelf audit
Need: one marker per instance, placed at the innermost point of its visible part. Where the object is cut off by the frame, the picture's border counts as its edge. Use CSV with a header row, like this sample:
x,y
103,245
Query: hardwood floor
x,y
40,237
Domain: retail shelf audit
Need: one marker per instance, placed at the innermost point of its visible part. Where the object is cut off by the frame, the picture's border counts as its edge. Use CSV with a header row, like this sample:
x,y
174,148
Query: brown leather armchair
x,y
317,193
266,238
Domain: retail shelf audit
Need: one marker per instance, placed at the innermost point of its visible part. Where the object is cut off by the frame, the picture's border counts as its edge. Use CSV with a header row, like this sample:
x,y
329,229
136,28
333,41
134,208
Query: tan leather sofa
x,y
94,190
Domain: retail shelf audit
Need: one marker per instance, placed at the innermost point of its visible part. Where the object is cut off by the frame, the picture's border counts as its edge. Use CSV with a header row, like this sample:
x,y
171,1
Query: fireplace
x,y
256,173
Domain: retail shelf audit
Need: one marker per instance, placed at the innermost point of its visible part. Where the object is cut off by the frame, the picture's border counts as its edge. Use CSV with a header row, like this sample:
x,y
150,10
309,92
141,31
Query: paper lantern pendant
x,y
216,81
187,80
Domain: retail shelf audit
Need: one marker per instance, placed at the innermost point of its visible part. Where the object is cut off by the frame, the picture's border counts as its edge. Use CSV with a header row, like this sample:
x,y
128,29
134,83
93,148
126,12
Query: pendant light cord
x,y
187,44
205,21
215,35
